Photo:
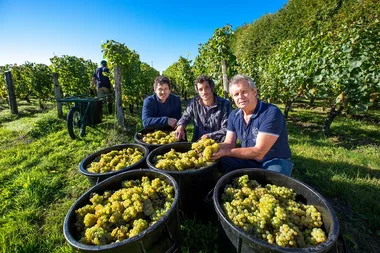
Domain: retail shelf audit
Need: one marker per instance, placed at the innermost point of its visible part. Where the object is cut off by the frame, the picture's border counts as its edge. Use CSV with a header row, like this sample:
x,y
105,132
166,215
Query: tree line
x,y
310,49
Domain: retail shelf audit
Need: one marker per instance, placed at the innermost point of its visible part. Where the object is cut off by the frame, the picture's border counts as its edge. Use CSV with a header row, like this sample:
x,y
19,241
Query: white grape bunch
x,y
197,157
271,213
158,137
118,215
115,160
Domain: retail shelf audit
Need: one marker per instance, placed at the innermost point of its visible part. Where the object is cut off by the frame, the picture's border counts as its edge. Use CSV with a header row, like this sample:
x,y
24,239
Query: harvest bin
x,y
234,239
95,112
161,237
194,184
95,178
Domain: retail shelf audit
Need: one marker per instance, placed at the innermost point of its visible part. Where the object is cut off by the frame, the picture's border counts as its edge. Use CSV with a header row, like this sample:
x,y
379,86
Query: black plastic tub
x,y
94,113
234,239
150,129
161,237
95,178
194,184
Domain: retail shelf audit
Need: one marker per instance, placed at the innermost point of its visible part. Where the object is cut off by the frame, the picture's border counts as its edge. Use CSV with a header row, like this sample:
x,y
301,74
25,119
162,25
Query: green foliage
x,y
3,87
137,78
29,79
181,76
74,74
41,79
288,72
211,54
295,20
351,69
340,66
148,74
254,40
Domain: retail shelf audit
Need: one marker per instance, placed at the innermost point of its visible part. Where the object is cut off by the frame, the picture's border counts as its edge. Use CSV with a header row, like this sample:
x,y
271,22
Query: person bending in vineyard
x,y
162,108
208,111
261,128
103,84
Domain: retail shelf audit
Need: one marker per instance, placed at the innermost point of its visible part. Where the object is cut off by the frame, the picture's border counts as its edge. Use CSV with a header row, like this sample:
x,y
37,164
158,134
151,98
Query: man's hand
x,y
172,122
179,133
204,136
221,152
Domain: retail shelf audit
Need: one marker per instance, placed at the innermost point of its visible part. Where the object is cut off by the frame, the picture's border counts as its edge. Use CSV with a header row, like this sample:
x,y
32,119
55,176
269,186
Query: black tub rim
x,y
177,172
97,153
95,248
331,240
153,128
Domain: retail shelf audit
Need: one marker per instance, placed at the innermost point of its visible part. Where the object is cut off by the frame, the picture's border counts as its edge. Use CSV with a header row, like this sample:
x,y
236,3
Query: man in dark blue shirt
x,y
261,128
162,108
103,84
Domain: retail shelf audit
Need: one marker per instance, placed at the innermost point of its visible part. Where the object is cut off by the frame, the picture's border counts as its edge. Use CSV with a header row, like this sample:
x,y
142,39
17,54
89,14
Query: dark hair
x,y
160,80
103,63
203,78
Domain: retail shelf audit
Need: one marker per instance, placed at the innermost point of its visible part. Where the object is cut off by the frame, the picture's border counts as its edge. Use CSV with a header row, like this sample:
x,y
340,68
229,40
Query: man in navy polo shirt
x,y
162,108
261,128
103,84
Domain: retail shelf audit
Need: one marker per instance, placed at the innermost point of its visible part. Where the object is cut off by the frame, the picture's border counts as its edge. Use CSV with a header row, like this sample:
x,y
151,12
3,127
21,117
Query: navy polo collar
x,y
255,112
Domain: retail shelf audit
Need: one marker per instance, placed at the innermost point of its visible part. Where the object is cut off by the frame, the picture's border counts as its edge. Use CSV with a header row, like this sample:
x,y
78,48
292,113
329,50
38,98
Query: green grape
x,y
199,156
122,214
115,160
158,137
271,213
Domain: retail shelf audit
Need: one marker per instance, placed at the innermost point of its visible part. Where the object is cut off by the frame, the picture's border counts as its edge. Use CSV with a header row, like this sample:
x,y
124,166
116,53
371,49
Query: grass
x,y
40,180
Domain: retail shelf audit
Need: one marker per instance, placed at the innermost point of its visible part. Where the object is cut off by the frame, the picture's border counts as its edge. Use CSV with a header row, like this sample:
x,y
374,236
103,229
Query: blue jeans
x,y
283,166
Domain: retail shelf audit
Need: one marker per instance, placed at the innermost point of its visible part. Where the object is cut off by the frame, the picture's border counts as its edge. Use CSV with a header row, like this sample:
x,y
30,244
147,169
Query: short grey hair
x,y
238,78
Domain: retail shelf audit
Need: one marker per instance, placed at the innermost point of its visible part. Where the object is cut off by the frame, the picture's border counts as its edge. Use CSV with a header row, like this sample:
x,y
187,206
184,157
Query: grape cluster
x,y
197,157
272,213
158,137
115,160
122,214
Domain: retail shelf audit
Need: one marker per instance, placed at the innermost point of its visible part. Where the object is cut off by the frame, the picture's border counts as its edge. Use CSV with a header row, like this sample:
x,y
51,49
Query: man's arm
x,y
263,144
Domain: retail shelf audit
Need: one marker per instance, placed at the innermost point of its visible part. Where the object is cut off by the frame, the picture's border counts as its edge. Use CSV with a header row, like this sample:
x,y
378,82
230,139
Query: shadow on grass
x,y
28,110
352,194
345,135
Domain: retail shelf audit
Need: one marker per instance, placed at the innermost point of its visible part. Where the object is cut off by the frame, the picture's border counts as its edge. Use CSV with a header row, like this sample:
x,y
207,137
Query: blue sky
x,y
159,31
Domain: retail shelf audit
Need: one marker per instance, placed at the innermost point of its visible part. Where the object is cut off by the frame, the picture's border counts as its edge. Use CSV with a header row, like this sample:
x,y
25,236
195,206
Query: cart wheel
x,y
74,124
